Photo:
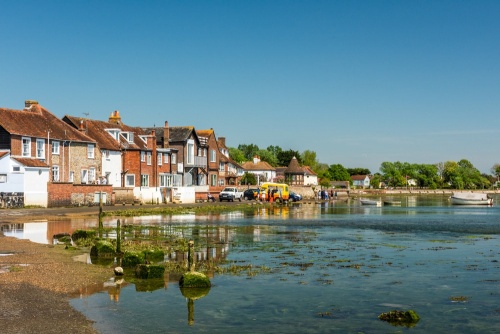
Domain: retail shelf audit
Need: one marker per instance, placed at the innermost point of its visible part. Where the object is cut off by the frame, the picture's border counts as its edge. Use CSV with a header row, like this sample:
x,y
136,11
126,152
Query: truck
x,y
230,194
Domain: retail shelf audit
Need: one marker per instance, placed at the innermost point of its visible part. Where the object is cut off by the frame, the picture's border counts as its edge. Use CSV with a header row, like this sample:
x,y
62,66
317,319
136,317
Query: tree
x,y
236,154
495,170
267,156
284,157
375,181
338,173
309,159
249,151
358,171
248,178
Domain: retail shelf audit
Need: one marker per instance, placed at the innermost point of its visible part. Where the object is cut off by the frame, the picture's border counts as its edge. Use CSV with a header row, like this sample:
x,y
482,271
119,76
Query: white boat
x,y
471,199
365,201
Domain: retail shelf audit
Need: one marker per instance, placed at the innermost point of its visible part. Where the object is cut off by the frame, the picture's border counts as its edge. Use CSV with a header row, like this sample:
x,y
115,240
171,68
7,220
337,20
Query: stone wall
x,y
69,194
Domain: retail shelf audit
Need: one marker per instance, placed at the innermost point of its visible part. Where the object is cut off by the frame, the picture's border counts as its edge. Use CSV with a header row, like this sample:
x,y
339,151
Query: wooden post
x,y
118,237
101,226
191,256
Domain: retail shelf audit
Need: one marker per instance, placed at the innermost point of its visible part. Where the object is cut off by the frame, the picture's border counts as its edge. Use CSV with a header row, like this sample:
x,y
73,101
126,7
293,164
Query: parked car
x,y
252,193
230,194
294,197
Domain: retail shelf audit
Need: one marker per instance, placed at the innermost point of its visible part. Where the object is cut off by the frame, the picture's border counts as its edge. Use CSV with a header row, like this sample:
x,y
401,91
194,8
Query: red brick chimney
x,y
222,140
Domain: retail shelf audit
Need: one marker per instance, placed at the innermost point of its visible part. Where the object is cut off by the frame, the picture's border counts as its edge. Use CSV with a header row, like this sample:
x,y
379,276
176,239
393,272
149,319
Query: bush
x,y
132,259
102,248
149,271
83,234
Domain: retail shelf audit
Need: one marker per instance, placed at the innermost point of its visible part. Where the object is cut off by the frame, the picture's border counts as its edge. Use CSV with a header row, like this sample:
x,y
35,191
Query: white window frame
x,y
92,175
159,158
143,156
221,167
84,176
90,151
174,158
26,146
213,180
166,158
56,147
213,155
40,148
71,176
55,173
190,152
145,180
128,178
148,158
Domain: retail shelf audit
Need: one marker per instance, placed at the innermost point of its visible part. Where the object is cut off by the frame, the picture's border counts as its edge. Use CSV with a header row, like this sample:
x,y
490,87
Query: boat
x,y
370,202
393,203
471,199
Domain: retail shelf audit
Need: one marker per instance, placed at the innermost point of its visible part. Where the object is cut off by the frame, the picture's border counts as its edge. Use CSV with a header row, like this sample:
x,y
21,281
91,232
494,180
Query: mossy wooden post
x,y
101,226
191,256
118,237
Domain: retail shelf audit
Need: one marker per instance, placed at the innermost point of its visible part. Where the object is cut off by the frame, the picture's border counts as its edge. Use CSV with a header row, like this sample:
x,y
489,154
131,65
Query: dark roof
x,y
39,122
97,130
180,133
293,167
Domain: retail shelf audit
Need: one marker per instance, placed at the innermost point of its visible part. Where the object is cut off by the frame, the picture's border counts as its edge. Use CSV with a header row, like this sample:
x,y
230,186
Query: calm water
x,y
329,269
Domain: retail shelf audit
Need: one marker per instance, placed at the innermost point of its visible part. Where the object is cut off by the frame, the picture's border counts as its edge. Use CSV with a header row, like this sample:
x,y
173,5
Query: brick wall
x,y
69,194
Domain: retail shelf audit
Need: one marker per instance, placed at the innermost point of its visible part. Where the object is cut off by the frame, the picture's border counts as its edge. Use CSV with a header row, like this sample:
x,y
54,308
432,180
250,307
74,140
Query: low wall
x,y
70,194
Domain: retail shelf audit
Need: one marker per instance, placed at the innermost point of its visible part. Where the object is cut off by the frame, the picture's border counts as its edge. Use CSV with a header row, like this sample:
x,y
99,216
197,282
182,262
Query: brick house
x,y
35,138
131,159
208,137
230,172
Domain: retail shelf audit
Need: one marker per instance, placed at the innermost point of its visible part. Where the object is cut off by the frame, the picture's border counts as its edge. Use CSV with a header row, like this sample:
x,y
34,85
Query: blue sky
x,y
358,82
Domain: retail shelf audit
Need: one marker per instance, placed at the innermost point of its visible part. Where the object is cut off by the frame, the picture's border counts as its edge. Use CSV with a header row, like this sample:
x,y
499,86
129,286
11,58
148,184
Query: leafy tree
x,y
248,178
375,180
325,182
267,156
338,173
284,157
275,150
495,170
236,154
358,171
309,159
249,151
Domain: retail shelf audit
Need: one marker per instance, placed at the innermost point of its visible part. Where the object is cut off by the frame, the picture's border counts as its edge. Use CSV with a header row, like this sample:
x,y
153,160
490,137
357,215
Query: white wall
x,y
113,165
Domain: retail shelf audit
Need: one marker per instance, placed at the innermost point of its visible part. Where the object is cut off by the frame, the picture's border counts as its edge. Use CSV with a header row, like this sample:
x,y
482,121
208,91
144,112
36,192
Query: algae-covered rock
x,y
146,271
194,279
132,259
194,293
102,248
400,318
82,234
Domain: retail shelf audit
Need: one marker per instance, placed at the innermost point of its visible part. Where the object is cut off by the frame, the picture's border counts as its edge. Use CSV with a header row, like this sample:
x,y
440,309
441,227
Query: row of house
x,y
47,161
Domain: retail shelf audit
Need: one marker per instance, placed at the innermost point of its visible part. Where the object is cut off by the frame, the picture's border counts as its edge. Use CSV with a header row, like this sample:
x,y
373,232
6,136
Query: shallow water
x,y
329,268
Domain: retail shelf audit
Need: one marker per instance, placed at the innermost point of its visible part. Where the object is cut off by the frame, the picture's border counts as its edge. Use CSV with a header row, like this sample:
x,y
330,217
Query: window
x,y
144,180
213,180
212,155
26,147
55,173
16,169
190,153
85,176
90,151
159,158
143,156
129,180
174,158
129,136
105,153
40,149
55,147
71,176
149,158
166,158
221,166
3,178
165,180
91,175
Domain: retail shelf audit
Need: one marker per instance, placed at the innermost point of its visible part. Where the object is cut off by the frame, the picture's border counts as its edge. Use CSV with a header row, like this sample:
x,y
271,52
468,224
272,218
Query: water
x,y
330,268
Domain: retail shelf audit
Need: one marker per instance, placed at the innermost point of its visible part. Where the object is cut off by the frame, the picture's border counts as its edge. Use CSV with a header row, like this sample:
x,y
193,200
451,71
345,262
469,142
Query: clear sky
x,y
358,82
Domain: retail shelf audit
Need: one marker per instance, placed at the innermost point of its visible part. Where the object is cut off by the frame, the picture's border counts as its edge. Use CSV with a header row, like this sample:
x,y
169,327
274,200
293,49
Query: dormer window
x,y
114,133
129,136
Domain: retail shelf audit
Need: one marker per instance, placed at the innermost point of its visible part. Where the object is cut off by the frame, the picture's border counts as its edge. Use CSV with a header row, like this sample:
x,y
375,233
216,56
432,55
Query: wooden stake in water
x,y
191,255
118,237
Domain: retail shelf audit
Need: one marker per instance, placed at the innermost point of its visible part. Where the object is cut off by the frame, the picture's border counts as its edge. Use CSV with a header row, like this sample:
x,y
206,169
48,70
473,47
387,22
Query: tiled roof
x,y
358,177
293,167
39,122
180,133
97,131
261,165
204,133
4,153
308,171
29,162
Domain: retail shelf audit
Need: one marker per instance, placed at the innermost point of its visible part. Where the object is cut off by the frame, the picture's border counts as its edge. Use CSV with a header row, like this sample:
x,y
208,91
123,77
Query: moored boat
x,y
393,203
471,199
370,202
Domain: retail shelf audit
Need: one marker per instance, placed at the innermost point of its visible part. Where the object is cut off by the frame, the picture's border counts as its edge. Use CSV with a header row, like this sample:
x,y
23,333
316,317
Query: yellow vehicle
x,y
275,192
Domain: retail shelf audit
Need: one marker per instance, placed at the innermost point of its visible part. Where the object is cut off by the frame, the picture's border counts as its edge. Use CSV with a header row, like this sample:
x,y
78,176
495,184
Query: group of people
x,y
325,195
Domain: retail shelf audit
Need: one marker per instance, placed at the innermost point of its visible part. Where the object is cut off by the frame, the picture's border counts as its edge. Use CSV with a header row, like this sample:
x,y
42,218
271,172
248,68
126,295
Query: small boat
x,y
471,199
393,203
370,202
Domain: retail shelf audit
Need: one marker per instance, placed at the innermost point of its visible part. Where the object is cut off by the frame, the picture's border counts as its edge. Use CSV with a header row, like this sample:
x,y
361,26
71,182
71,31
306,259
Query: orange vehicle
x,y
276,192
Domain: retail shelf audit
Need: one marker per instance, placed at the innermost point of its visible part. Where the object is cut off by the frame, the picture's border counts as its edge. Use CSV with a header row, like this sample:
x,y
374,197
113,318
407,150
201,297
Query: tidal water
x,y
324,268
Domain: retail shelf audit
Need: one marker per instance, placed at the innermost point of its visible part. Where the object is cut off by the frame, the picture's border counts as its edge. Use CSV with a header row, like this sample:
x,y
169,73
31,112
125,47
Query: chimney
x,y
256,159
29,103
115,117
166,135
222,140
82,126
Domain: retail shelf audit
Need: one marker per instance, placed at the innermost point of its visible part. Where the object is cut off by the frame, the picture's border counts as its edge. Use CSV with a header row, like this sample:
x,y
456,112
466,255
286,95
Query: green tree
x,y
338,172
248,178
375,180
284,157
249,151
267,156
495,170
309,159
358,171
236,154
